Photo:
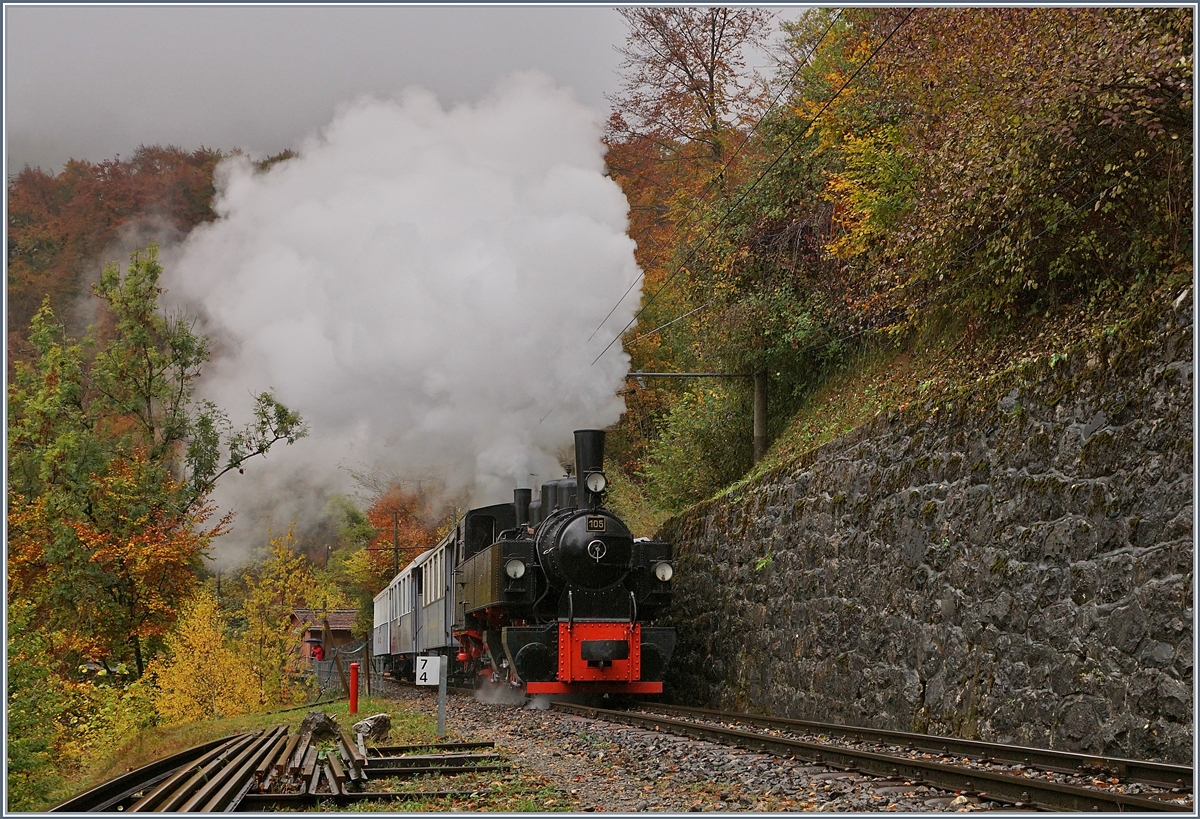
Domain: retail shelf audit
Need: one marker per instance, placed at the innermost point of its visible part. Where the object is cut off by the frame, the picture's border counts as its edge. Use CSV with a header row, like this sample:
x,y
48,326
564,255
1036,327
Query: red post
x,y
353,688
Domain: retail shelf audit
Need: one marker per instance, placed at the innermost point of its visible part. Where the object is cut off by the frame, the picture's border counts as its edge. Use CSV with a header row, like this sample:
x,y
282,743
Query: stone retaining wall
x,y
1014,566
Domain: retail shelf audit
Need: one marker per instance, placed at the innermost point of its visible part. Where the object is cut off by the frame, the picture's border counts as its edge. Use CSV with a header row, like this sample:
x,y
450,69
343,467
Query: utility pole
x,y
760,415
395,542
760,401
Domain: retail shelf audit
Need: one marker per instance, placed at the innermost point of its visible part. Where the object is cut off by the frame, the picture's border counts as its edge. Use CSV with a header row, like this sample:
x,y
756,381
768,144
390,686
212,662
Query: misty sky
x,y
92,82
450,177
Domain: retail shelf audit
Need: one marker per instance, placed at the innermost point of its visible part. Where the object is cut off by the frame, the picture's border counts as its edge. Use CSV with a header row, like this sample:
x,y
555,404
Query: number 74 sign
x,y
429,670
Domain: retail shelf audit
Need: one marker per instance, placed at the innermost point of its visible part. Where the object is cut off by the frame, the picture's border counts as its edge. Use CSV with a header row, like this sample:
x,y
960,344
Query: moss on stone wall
x,y
1012,562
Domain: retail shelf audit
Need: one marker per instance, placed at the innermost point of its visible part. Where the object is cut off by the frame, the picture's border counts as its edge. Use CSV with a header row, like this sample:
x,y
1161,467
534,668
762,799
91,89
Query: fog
x,y
420,284
93,81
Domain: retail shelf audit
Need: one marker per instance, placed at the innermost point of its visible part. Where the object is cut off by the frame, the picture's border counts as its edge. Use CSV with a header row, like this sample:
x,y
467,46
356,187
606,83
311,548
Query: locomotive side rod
x,y
1016,790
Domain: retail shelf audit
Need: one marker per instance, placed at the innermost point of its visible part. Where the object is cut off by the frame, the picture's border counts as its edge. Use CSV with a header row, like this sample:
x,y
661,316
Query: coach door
x,y
418,607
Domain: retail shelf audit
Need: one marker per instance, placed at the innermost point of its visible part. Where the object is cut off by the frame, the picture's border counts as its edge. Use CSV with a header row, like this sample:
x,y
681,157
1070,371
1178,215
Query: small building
x,y
312,624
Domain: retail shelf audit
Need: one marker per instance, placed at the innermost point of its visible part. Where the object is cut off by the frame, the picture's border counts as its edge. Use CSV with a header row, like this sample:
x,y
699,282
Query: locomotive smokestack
x,y
589,458
521,499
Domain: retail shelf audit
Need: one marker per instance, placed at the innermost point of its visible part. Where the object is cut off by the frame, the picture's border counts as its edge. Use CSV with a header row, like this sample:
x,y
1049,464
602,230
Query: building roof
x,y
339,619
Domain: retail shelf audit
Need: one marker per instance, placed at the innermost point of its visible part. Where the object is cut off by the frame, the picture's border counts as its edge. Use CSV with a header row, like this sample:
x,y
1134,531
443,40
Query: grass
x,y
162,741
945,359
503,791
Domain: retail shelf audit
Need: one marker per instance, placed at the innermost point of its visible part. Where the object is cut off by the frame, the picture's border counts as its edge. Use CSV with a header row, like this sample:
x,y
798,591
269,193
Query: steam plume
x,y
420,284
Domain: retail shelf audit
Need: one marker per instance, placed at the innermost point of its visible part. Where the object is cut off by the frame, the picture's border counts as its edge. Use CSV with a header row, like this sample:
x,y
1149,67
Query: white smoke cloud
x,y
420,284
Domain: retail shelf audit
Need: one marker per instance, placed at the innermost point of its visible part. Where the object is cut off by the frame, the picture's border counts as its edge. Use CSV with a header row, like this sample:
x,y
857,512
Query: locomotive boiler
x,y
551,593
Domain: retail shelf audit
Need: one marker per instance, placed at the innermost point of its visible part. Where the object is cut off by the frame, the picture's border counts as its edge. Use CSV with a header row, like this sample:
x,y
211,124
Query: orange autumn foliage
x,y
415,525
60,225
147,555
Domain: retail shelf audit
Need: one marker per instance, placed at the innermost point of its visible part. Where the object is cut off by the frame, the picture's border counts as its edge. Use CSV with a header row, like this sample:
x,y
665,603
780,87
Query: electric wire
x,y
800,64
962,254
669,323
745,194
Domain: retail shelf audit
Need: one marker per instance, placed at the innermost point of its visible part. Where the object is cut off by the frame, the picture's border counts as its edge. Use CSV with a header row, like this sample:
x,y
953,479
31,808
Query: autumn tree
x,y
687,95
365,561
1004,160
283,582
202,676
60,224
687,101
685,75
111,459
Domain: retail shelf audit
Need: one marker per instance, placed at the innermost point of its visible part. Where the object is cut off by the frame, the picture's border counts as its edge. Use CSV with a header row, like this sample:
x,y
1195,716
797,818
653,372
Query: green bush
x,y
706,444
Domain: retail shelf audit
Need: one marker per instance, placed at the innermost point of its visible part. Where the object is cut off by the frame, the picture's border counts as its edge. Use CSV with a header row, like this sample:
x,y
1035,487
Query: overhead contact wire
x,y
692,252
958,283
799,67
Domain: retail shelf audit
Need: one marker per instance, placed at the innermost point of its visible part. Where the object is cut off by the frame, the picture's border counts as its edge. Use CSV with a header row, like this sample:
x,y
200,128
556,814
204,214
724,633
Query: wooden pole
x,y
395,543
760,415
337,661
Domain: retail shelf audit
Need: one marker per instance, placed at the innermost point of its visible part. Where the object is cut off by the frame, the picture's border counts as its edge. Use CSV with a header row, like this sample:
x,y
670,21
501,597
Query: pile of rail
x,y
270,770
963,765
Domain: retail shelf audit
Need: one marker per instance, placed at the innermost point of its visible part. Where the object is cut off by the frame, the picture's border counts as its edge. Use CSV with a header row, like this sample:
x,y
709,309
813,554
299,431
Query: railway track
x,y
1034,779
268,770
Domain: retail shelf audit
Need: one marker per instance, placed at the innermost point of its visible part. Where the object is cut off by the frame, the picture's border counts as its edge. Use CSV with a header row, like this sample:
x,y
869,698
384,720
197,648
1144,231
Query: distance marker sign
x,y
429,670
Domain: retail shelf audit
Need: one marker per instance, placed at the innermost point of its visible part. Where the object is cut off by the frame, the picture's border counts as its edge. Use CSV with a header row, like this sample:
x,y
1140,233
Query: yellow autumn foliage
x,y
202,678
271,644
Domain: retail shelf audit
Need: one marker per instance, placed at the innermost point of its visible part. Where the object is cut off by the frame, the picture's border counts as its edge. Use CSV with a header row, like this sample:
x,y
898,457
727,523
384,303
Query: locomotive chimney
x,y
521,499
589,458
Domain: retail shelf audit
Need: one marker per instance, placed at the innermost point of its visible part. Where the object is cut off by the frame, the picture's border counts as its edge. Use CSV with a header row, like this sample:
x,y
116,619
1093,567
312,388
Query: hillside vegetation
x,y
918,198
914,200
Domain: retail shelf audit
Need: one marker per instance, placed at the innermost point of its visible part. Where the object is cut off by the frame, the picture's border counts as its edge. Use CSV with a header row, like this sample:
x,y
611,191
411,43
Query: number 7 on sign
x,y
429,670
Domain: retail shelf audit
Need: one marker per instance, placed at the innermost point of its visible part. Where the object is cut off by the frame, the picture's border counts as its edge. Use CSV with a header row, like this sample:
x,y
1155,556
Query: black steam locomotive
x,y
553,593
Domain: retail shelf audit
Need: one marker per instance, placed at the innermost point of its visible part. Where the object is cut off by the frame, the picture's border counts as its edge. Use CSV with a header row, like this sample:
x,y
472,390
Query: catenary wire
x,y
1107,149
800,64
692,252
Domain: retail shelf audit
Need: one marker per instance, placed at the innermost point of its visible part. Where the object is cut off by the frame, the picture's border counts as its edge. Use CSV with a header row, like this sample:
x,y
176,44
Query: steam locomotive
x,y
553,594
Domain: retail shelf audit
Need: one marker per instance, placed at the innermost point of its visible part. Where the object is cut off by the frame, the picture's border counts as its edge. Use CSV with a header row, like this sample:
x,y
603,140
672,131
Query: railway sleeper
x,y
997,787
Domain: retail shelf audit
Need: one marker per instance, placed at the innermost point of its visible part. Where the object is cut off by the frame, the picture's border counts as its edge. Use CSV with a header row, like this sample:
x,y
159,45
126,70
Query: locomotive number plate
x,y
595,523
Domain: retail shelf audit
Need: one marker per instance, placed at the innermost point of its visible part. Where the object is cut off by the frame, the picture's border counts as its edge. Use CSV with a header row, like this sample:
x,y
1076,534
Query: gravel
x,y
608,767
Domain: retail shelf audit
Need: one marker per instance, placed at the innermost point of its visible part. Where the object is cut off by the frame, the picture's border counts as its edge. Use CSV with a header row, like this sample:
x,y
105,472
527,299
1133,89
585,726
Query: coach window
x,y
438,560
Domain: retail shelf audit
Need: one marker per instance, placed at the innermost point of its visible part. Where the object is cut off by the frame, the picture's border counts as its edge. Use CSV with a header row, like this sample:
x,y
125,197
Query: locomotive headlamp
x,y
515,568
663,571
596,482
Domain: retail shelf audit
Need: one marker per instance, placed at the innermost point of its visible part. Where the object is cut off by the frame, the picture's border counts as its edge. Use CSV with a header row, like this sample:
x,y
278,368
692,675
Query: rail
x,y
1158,774
1015,790
264,770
